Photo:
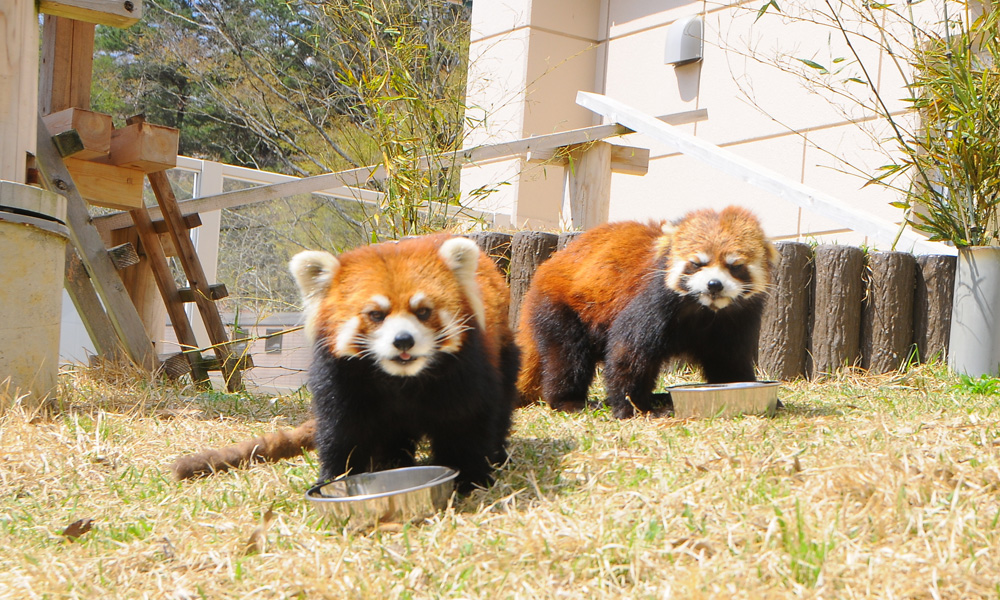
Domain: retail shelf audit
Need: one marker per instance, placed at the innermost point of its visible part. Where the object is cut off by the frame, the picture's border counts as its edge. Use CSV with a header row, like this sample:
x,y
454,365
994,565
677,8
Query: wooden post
x,y
496,245
566,237
18,87
836,328
67,64
589,184
784,332
529,249
932,305
887,313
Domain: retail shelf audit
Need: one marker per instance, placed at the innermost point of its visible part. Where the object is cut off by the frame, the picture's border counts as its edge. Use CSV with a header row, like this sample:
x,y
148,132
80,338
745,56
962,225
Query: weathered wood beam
x,y
106,185
358,177
88,305
67,64
92,252
116,13
628,160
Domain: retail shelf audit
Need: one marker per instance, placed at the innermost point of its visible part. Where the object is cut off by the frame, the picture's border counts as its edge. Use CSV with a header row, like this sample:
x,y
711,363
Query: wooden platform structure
x,y
113,279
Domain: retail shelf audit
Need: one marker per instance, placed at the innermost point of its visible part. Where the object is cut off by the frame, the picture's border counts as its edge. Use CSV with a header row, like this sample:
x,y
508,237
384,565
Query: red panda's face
x,y
402,330
719,258
400,305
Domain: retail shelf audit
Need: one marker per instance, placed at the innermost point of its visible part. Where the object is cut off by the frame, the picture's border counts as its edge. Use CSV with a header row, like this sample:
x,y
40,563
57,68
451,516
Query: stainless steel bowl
x,y
392,496
724,399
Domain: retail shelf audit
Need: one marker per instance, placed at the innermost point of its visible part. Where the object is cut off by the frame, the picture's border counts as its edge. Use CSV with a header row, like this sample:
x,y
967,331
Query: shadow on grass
x,y
533,469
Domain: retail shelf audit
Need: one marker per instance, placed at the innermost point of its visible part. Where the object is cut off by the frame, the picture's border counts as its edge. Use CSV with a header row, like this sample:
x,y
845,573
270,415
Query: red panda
x,y
633,295
411,341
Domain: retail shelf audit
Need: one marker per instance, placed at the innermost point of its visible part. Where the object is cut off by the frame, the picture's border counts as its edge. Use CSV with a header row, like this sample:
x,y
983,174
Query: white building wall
x,y
754,109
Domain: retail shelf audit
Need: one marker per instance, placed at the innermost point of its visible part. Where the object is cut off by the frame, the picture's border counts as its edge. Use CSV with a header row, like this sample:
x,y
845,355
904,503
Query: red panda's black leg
x,y
470,453
629,378
567,355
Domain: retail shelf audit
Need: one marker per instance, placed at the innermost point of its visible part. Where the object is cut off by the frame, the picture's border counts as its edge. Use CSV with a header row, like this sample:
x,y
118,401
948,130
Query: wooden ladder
x,y
112,320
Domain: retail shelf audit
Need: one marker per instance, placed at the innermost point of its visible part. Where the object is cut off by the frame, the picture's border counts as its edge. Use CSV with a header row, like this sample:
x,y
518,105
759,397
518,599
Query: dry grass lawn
x,y
860,487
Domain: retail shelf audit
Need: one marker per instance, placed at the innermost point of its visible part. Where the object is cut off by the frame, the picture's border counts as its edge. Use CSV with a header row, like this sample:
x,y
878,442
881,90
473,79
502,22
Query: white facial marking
x,y
381,302
758,278
346,337
419,300
395,357
727,289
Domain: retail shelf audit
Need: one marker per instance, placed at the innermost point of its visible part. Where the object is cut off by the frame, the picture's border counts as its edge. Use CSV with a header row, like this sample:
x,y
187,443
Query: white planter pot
x,y
974,347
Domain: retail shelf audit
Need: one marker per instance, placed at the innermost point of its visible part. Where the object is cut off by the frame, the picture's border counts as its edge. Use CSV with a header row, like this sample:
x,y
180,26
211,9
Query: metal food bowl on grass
x,y
724,399
393,496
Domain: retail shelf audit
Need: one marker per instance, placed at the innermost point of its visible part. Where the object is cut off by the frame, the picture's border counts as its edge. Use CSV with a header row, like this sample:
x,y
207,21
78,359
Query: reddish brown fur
x,y
583,291
593,276
393,269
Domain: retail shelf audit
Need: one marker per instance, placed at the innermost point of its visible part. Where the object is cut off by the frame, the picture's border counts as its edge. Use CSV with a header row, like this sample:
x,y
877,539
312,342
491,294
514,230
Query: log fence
x,y
829,307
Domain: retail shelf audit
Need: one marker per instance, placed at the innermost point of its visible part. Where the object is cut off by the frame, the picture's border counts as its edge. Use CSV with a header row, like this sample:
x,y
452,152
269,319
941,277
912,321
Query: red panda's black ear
x,y
313,271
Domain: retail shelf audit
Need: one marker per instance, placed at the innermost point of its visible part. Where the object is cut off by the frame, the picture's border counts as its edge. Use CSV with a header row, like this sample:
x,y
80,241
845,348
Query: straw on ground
x,y
859,488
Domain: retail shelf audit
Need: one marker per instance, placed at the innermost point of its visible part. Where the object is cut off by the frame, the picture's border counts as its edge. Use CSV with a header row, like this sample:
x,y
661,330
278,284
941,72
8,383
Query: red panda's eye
x,y
739,271
376,316
423,313
692,267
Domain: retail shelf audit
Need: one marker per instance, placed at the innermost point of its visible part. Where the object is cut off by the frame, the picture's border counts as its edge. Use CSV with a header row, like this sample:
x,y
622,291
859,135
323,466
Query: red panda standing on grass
x,y
411,342
634,295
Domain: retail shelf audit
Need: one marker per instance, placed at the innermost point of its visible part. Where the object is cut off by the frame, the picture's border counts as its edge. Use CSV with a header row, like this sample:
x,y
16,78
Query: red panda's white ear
x,y
462,257
313,271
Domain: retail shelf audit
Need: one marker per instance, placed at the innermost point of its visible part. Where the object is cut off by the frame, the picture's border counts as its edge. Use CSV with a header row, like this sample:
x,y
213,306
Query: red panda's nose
x,y
715,286
403,341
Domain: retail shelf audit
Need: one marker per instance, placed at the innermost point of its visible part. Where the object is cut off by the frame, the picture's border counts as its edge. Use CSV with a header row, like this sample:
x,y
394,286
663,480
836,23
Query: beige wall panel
x,y
824,172
749,91
496,17
578,18
636,75
559,67
539,205
495,89
629,16
676,184
501,176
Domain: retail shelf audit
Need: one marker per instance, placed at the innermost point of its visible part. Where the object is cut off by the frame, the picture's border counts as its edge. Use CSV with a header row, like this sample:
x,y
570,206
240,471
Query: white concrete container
x,y
974,347
32,263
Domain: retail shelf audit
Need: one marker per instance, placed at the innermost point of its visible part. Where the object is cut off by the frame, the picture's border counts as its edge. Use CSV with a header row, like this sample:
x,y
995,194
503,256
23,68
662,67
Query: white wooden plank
x,y
880,230
358,177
